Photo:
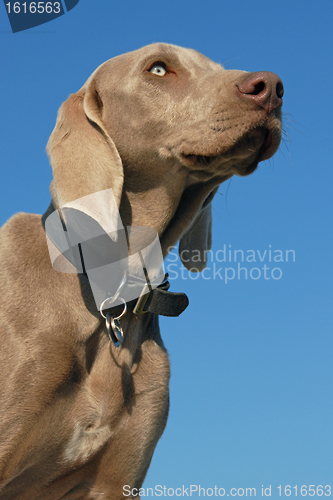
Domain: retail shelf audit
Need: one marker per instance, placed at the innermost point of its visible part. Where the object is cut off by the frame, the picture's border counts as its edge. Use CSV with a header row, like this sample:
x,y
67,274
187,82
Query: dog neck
x,y
151,298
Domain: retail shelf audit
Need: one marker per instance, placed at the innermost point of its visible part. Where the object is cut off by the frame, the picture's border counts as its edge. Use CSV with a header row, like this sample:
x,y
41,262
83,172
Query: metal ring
x,y
124,311
110,331
115,296
114,329
117,330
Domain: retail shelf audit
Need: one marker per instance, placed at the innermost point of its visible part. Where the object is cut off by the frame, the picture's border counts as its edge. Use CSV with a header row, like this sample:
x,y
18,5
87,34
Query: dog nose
x,y
264,88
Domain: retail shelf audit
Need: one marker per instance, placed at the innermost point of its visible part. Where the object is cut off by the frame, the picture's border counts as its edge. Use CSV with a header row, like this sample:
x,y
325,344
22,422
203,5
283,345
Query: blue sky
x,y
252,372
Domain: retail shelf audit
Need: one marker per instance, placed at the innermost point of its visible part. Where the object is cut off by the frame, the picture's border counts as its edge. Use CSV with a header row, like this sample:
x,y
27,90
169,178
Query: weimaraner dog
x,y
162,127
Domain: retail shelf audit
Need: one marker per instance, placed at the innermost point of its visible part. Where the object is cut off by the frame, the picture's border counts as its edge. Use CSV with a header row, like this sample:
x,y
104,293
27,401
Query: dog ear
x,y
197,241
83,156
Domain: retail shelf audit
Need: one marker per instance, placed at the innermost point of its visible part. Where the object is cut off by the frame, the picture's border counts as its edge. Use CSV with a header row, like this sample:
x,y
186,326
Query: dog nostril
x,y
279,90
258,88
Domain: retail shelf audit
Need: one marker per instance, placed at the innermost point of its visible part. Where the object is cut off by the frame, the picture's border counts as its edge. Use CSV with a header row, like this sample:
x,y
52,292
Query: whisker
x,y
285,142
225,63
226,196
286,133
284,116
294,128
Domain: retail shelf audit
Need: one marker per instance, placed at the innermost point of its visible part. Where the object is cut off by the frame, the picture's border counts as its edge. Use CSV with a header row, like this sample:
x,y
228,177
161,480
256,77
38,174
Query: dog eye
x,y
158,69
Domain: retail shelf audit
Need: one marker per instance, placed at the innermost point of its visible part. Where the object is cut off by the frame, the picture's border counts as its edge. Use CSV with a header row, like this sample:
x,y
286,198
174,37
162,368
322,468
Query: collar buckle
x,y
141,302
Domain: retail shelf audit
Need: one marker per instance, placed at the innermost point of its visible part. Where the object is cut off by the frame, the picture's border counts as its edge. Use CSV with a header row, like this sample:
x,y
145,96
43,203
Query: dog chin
x,y
269,146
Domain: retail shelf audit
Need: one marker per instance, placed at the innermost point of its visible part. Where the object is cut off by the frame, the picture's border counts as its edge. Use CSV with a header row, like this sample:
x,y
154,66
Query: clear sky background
x,y
252,360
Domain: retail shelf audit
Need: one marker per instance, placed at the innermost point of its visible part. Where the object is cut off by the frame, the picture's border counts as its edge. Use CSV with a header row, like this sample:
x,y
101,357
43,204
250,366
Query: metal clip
x,y
140,304
113,326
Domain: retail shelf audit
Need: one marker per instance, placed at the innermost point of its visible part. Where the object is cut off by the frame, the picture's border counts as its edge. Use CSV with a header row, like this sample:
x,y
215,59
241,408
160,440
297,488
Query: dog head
x,y
164,126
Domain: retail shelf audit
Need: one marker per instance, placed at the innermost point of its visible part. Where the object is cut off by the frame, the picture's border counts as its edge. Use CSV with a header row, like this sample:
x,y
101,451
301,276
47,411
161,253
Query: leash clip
x,y
113,326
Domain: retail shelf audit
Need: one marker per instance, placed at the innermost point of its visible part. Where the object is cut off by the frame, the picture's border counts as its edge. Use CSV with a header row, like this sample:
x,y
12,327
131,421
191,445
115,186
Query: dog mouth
x,y
266,151
243,158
